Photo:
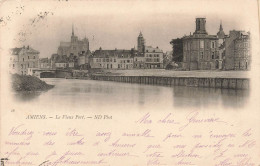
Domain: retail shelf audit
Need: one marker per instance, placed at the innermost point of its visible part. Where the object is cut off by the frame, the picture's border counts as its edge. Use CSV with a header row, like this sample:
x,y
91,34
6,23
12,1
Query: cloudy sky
x,y
116,24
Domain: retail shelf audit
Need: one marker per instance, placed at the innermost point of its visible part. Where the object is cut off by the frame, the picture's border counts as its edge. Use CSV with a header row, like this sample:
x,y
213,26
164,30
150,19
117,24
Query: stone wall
x,y
225,83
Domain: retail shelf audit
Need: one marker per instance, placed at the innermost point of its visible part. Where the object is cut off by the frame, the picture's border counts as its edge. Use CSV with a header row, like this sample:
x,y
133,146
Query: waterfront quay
x,y
205,79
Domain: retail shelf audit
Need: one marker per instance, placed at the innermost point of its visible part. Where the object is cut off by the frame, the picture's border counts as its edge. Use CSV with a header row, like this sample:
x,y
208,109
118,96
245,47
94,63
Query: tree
x,y
177,47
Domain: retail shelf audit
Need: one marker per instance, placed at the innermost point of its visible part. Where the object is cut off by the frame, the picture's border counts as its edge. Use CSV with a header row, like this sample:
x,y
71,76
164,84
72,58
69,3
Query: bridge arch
x,y
47,74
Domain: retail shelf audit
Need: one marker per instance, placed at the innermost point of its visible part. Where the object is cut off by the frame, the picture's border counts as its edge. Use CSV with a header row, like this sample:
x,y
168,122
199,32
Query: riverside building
x,y
22,59
200,50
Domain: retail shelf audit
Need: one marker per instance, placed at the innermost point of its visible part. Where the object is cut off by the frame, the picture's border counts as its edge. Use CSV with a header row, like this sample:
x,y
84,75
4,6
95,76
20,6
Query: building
x,y
112,59
200,50
61,64
83,60
237,51
59,61
140,43
23,58
44,63
153,58
74,47
139,61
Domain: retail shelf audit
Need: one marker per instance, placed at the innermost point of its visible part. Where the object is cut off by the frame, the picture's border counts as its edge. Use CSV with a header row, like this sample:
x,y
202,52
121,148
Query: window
x,y
201,55
213,44
213,55
23,59
201,43
28,57
13,65
33,57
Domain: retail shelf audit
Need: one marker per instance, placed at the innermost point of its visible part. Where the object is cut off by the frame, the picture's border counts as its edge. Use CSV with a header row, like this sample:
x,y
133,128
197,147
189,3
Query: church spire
x,y
72,29
140,34
220,26
221,33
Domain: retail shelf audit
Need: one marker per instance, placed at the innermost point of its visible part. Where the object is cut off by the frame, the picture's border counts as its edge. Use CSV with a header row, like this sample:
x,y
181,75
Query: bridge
x,y
49,73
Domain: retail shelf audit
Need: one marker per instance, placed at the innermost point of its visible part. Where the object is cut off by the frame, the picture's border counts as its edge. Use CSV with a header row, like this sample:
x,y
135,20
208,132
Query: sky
x,y
117,24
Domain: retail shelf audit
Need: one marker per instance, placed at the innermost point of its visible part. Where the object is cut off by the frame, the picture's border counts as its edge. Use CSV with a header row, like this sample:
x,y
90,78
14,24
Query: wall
x,y
224,83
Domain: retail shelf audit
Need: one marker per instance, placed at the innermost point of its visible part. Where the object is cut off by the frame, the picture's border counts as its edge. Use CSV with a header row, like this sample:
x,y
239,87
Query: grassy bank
x,y
29,83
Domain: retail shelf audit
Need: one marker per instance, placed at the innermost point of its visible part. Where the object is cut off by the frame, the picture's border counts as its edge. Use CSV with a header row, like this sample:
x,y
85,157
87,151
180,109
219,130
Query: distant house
x,y
71,64
61,65
153,58
23,58
83,60
139,61
112,59
44,63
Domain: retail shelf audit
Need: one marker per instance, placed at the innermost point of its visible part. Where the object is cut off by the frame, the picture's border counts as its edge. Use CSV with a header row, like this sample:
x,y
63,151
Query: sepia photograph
x,y
135,83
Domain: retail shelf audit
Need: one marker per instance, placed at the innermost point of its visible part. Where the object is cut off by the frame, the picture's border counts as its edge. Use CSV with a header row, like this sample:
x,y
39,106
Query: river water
x,y
101,95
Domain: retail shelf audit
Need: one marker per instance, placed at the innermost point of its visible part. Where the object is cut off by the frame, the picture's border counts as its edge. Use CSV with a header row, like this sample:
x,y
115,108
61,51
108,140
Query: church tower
x,y
140,43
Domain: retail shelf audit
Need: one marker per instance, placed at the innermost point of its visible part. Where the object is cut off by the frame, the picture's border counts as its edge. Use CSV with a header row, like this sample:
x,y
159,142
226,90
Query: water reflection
x,y
90,94
26,96
208,97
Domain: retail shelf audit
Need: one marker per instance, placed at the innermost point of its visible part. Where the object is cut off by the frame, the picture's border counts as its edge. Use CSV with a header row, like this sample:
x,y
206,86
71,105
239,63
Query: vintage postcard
x,y
130,83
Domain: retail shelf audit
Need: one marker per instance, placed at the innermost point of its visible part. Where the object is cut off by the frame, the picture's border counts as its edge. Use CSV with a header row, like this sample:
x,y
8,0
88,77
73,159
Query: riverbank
x,y
172,73
27,83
